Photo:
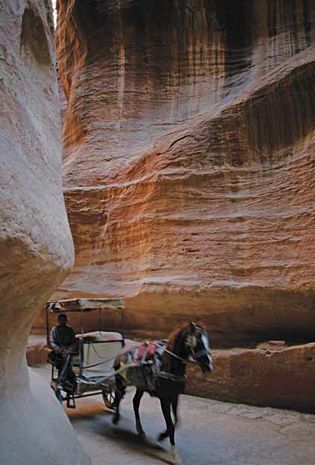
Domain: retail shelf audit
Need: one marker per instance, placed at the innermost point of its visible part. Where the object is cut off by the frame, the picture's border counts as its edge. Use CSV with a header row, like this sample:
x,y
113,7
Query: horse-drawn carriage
x,y
101,367
92,363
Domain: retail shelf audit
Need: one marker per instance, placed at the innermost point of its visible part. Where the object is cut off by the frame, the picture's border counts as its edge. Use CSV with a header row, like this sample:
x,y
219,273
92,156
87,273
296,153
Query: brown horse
x,y
161,373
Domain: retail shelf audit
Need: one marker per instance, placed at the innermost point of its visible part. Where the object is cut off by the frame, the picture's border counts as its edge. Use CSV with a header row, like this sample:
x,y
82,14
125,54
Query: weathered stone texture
x,y
189,160
36,247
268,376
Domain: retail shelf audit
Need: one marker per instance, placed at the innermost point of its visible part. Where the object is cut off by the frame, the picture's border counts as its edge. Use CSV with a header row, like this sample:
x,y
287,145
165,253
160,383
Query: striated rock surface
x,y
276,376
189,161
36,247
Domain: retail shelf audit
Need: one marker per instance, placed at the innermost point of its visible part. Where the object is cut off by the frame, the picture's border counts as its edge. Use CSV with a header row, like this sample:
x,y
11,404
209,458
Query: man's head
x,y
62,319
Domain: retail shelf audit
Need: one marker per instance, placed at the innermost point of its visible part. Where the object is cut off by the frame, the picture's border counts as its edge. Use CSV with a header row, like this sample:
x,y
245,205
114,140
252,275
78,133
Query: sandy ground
x,y
210,433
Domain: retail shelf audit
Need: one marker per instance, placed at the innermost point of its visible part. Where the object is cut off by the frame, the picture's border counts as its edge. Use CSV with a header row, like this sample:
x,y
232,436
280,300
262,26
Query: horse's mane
x,y
185,326
172,336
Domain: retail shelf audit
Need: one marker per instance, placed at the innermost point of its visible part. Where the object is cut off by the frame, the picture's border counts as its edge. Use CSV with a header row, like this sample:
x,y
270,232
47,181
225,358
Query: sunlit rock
x,y
189,160
36,247
270,375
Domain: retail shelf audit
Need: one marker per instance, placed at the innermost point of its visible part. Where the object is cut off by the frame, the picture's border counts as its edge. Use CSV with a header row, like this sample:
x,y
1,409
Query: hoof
x,y
115,419
162,437
142,435
176,460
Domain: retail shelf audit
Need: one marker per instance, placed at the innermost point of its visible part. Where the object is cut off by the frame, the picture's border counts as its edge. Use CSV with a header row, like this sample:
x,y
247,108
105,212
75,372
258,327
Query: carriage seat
x,y
97,351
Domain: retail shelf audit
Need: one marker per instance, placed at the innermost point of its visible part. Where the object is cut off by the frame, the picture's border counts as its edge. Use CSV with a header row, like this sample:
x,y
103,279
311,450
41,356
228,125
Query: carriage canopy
x,y
84,305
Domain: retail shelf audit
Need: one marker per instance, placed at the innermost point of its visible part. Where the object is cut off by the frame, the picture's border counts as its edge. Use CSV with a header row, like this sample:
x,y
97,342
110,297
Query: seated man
x,y
64,344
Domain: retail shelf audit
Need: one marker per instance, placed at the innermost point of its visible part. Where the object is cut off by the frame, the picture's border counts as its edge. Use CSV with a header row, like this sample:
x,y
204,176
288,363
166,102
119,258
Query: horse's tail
x,y
122,360
117,363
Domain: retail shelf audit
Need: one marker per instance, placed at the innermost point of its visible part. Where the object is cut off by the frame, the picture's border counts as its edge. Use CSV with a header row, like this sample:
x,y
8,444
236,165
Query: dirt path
x,y
211,433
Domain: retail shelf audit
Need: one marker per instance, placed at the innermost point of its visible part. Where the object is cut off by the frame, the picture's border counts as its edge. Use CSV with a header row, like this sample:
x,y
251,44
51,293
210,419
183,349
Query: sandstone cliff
x,y
270,375
189,160
36,248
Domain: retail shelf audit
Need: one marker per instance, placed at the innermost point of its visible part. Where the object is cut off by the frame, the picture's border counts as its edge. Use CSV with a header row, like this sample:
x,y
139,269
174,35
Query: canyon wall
x,y
272,374
36,247
189,161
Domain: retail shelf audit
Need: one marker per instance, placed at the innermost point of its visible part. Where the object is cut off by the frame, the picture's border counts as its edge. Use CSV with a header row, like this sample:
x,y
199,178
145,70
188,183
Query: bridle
x,y
181,359
194,354
200,353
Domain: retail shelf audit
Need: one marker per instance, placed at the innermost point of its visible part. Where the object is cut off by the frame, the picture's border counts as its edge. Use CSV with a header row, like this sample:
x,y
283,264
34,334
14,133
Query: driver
x,y
65,345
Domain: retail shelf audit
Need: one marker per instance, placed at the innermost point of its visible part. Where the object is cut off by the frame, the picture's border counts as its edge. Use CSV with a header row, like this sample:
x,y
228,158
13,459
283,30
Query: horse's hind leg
x,y
136,405
116,416
120,392
162,436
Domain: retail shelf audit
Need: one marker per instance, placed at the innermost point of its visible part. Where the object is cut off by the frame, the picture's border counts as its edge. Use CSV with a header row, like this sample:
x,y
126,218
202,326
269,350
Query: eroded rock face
x,y
268,376
189,160
36,247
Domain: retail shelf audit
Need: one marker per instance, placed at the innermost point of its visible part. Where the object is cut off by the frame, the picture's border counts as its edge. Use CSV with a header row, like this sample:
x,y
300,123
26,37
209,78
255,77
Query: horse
x,y
161,373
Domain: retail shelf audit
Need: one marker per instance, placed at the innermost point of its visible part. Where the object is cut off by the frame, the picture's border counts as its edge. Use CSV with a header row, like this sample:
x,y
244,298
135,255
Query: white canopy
x,y
84,305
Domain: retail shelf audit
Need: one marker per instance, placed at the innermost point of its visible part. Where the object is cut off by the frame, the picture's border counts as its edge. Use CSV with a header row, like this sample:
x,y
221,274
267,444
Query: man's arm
x,y
74,346
54,342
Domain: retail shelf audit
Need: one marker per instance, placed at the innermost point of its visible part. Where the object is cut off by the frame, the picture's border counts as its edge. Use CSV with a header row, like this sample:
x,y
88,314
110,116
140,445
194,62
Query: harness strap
x,y
105,378
102,362
178,357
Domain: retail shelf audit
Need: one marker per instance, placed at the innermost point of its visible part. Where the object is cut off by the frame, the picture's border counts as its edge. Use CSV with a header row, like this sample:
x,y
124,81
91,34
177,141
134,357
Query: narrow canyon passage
x,y
161,153
188,167
210,433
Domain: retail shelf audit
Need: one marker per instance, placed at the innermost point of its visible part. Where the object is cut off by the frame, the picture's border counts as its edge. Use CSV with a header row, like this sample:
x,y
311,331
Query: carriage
x,y
160,371
92,364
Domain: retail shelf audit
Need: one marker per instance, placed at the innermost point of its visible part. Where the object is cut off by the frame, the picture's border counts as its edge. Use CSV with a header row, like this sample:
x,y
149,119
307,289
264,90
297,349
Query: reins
x,y
200,353
178,357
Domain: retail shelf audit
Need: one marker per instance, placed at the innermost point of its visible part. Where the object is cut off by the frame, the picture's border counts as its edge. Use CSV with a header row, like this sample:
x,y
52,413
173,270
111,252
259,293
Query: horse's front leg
x,y
174,405
136,405
170,428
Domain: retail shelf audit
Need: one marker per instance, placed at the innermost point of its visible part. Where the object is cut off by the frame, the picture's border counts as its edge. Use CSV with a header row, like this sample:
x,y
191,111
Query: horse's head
x,y
197,344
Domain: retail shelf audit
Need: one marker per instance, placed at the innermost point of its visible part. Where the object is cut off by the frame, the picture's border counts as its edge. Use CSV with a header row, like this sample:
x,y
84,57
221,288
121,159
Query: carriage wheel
x,y
109,398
